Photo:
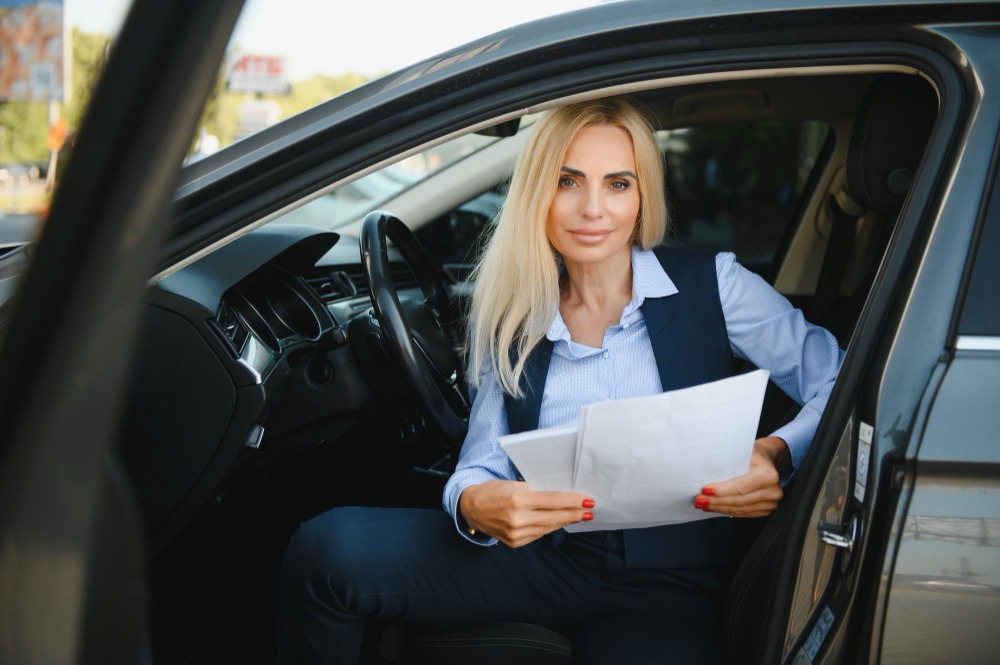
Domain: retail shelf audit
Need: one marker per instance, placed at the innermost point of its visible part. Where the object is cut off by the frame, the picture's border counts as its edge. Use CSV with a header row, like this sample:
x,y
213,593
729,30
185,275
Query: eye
x,y
566,181
621,185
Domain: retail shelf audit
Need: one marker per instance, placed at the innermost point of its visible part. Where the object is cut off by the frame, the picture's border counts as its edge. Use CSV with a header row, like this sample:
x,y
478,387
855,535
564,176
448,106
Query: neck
x,y
600,287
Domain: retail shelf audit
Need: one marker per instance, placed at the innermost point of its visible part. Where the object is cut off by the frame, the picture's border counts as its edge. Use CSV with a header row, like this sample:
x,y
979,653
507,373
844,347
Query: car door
x,y
942,598
892,535
72,586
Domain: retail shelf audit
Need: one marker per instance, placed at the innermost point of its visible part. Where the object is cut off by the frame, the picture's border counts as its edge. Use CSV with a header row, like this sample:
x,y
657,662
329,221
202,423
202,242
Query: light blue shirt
x,y
763,328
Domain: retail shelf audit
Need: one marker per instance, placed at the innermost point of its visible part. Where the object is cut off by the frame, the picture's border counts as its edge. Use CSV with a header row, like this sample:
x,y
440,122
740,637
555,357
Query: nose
x,y
592,203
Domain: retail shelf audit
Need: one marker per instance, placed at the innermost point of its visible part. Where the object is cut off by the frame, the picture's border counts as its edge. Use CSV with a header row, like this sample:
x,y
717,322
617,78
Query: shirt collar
x,y
649,280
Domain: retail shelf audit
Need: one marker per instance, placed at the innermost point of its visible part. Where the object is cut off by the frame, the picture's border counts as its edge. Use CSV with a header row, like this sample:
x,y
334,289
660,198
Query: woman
x,y
572,305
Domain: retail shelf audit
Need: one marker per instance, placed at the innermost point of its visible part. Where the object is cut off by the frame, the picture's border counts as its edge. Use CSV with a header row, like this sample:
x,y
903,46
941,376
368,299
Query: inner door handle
x,y
839,535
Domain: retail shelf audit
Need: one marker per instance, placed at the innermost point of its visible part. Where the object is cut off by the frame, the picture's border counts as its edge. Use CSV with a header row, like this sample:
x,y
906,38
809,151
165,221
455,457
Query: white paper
x,y
644,460
547,456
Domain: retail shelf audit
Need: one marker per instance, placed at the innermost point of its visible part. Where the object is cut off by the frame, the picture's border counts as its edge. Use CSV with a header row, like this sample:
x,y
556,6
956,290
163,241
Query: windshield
x,y
353,201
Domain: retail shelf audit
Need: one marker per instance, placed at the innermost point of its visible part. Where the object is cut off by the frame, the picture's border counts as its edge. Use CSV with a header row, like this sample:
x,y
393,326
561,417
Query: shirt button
x,y
605,354
625,326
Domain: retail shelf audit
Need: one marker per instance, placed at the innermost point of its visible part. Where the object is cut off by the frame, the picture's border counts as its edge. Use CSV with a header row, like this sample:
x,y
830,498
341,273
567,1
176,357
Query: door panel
x,y
65,352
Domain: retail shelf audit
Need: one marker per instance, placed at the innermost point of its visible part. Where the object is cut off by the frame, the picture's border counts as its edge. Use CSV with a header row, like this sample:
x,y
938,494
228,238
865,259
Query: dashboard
x,y
262,348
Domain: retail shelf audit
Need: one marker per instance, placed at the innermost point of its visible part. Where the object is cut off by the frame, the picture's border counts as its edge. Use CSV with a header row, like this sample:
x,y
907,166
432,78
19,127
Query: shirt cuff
x,y
457,484
797,436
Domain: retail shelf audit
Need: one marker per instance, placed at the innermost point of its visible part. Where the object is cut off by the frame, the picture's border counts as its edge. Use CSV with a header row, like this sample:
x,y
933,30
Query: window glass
x,y
286,56
735,187
981,311
730,187
351,202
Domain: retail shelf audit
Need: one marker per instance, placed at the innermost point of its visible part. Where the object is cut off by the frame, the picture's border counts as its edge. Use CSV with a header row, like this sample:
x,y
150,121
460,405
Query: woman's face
x,y
594,211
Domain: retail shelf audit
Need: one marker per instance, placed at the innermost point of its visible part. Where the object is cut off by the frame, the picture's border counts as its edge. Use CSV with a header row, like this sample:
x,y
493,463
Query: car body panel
x,y
945,590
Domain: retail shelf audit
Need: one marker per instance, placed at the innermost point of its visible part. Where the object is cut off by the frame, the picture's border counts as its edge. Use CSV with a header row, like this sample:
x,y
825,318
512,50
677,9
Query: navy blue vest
x,y
688,334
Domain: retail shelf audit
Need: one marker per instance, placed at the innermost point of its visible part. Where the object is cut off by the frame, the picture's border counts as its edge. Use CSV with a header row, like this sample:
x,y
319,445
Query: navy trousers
x,y
412,566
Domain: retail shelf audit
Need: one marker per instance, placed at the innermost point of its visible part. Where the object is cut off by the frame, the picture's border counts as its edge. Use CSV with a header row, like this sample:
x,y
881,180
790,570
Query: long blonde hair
x,y
517,280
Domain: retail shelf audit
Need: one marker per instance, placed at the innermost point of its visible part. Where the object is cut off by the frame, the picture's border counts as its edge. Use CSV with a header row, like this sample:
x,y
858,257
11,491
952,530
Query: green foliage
x,y
88,59
23,131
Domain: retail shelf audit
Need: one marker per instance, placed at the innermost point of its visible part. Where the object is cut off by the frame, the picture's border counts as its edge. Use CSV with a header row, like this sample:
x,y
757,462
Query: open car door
x,y
874,526
71,579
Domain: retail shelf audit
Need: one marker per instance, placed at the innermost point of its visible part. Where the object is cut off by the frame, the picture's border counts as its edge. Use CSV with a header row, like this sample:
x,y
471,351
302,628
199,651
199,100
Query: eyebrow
x,y
616,174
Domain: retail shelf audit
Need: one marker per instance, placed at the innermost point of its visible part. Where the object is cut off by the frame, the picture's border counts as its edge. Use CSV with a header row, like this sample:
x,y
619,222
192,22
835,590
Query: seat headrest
x,y
890,133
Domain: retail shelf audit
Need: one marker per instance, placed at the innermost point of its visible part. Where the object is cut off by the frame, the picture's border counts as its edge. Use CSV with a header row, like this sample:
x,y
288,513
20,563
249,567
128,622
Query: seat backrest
x,y
889,137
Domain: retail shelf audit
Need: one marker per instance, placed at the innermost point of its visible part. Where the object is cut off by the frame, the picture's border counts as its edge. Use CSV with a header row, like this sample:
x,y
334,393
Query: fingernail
x,y
587,516
701,503
588,503
708,491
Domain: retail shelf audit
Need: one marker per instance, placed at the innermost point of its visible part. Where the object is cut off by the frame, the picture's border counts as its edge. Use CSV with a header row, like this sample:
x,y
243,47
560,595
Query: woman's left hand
x,y
756,493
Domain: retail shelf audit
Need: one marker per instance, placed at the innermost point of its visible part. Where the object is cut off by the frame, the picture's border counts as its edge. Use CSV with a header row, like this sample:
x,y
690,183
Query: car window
x,y
287,56
736,186
981,312
354,200
730,187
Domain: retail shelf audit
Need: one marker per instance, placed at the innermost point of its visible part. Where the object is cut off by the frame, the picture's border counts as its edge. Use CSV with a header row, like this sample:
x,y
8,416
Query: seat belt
x,y
838,249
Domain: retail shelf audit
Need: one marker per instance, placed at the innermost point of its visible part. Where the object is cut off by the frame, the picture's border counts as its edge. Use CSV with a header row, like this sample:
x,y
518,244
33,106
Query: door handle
x,y
839,535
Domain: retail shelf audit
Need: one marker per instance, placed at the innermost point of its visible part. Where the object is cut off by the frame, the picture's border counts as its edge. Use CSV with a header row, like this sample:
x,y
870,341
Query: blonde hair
x,y
517,280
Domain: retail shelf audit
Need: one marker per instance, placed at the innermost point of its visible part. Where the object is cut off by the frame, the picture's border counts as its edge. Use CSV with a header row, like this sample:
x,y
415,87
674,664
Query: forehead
x,y
600,144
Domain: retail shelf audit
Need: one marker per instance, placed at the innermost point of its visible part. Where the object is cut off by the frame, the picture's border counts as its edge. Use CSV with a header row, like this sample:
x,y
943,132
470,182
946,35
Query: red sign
x,y
263,74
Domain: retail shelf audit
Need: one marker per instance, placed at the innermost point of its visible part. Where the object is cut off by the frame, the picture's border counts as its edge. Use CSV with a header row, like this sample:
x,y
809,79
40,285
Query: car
x,y
194,360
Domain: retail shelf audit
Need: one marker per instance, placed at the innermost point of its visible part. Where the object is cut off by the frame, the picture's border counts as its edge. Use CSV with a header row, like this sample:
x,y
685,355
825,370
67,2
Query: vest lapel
x,y
670,362
522,414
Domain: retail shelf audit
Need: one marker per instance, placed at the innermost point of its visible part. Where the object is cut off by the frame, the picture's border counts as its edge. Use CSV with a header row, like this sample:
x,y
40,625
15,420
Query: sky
x,y
364,36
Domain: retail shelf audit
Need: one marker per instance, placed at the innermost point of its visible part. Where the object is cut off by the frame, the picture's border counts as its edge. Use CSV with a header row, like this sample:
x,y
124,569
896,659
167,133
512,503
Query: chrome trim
x,y
253,371
257,358
977,343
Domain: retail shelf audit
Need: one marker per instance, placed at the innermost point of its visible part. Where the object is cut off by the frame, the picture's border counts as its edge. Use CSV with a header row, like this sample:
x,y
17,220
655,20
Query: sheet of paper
x,y
644,460
545,457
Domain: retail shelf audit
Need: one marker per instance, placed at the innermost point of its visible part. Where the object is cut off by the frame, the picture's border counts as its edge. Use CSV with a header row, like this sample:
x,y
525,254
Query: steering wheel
x,y
416,332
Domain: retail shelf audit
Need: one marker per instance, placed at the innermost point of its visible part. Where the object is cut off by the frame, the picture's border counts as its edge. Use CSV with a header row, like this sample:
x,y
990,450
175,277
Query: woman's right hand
x,y
515,515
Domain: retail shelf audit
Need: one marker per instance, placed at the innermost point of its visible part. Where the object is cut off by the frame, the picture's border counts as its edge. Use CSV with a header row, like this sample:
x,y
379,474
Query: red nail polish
x,y
587,516
701,503
588,503
708,491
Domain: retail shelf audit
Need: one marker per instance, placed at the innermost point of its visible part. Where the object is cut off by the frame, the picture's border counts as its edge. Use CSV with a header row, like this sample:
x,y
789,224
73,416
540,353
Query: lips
x,y
590,236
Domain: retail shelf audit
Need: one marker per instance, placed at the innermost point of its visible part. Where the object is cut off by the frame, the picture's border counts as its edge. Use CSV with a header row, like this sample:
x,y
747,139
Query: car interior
x,y
269,387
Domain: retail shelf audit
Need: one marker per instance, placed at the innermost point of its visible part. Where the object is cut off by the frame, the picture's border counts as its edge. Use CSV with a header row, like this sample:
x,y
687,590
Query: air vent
x,y
331,284
232,328
402,278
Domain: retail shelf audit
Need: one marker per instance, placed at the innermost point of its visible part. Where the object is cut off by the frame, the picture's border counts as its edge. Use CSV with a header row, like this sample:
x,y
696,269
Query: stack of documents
x,y
643,460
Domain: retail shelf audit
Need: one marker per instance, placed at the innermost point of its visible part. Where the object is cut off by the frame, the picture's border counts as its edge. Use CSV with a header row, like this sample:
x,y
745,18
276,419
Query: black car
x,y
192,364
